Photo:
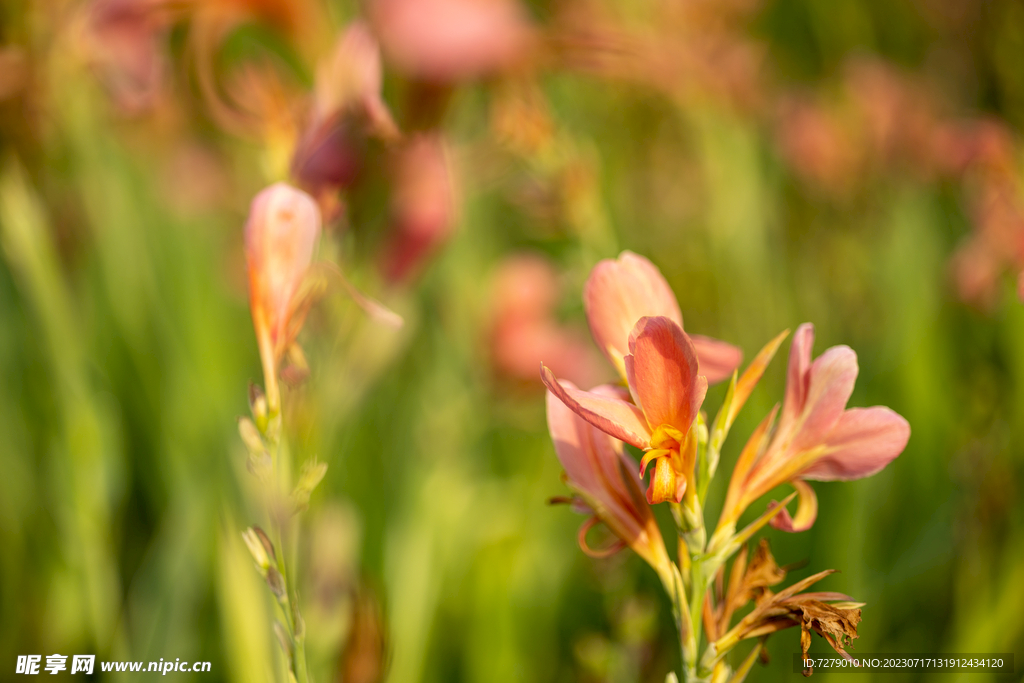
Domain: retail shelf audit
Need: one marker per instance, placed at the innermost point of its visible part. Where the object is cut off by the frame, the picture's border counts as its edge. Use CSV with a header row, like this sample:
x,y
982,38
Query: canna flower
x,y
620,292
601,476
280,235
667,392
817,437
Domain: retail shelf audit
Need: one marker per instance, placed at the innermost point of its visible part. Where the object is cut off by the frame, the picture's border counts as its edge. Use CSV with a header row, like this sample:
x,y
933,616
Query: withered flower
x,y
833,616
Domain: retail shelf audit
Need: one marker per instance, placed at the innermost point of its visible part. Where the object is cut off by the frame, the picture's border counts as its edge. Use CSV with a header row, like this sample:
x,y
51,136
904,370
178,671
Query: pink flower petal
x,y
611,415
662,371
863,442
829,386
718,359
797,376
598,470
620,292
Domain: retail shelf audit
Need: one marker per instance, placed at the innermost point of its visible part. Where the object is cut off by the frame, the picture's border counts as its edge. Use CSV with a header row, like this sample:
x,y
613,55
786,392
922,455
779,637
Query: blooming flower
x,y
280,235
817,437
601,475
661,369
620,292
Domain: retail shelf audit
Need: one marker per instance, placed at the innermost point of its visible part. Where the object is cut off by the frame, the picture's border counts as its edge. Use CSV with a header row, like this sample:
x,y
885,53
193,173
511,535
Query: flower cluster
x,y
636,321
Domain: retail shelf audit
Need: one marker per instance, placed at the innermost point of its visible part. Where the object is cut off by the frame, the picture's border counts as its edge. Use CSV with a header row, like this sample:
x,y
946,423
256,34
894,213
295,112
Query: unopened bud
x,y
280,235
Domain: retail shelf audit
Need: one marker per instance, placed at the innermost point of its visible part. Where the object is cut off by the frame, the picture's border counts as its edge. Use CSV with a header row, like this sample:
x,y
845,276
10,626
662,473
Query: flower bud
x,y
280,235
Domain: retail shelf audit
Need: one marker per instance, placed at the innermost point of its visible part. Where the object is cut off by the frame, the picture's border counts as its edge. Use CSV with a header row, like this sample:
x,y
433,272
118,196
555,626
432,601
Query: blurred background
x,y
856,164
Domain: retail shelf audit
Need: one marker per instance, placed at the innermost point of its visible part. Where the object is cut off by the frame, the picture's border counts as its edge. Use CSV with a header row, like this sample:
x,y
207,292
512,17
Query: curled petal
x,y
863,442
718,359
651,455
611,415
806,512
581,538
620,292
662,372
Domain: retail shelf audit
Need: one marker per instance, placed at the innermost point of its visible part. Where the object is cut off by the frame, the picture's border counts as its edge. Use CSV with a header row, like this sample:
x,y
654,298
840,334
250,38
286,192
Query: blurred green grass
x,y
126,346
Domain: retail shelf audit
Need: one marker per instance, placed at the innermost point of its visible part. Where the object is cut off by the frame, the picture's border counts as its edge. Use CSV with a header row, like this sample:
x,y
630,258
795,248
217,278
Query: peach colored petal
x,y
620,292
718,359
863,442
830,384
806,512
662,371
611,415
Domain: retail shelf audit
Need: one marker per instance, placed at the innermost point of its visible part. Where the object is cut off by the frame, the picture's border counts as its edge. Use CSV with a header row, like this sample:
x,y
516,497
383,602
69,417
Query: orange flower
x,y
661,369
280,236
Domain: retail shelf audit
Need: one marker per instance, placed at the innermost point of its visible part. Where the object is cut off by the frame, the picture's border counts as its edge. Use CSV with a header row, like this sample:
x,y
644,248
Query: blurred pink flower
x,y
423,206
347,106
124,40
620,292
817,437
525,331
606,487
448,41
667,392
280,235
